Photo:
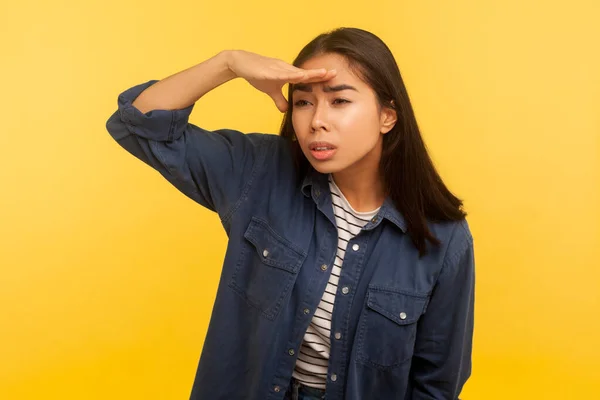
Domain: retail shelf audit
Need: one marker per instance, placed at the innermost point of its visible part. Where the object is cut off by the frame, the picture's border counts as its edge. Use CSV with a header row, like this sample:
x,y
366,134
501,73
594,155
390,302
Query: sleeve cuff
x,y
158,125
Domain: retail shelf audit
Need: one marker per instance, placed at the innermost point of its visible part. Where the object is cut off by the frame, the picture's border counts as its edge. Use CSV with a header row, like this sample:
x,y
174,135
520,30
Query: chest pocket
x,y
266,269
388,326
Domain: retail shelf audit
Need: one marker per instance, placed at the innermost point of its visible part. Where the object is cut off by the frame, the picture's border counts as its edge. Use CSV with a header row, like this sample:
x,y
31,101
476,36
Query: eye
x,y
340,101
300,103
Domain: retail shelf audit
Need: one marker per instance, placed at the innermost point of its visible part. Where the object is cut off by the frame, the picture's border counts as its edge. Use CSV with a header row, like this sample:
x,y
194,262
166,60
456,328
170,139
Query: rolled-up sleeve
x,y
442,358
214,168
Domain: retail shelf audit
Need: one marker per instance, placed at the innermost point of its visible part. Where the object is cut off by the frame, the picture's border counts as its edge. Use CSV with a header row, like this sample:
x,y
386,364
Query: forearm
x,y
184,88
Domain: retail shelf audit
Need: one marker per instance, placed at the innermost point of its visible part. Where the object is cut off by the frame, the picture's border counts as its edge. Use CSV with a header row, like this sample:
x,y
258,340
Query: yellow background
x,y
108,274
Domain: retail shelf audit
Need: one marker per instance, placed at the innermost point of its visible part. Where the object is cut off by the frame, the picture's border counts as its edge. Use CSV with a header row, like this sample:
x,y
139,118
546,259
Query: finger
x,y
318,77
330,74
295,77
309,75
280,101
294,69
315,73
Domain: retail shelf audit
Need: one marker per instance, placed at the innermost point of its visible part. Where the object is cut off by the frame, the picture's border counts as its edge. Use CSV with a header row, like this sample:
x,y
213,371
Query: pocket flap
x,y
400,307
272,248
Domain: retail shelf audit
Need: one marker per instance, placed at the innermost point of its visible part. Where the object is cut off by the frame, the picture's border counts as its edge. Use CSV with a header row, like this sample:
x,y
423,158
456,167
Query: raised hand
x,y
270,74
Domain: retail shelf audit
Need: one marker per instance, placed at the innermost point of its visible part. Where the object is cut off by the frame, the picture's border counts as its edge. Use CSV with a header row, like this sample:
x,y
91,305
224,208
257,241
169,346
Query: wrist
x,y
228,57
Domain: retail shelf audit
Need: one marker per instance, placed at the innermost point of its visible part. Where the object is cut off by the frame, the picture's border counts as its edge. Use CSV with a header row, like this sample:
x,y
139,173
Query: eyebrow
x,y
305,87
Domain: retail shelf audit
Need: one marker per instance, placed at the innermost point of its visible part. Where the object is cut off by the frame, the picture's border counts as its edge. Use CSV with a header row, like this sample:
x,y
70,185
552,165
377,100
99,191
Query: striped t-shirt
x,y
313,358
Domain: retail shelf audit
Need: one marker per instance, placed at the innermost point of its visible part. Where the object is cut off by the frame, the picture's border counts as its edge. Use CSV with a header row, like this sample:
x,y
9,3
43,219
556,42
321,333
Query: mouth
x,y
322,150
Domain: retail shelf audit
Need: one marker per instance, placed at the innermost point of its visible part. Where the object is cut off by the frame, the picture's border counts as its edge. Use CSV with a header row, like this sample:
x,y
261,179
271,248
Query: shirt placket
x,y
324,259
351,269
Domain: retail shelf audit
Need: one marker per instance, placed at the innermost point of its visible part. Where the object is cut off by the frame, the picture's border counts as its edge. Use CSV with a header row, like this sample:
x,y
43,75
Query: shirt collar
x,y
316,183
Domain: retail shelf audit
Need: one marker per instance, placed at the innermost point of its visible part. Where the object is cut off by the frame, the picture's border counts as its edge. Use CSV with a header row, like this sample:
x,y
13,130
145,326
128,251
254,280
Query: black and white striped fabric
x,y
313,358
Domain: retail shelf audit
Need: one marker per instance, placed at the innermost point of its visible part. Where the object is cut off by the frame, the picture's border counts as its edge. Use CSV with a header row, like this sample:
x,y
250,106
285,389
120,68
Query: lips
x,y
322,151
321,146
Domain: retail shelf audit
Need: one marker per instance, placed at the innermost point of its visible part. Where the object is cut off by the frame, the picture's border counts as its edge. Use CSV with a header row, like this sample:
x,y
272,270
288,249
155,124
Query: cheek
x,y
359,121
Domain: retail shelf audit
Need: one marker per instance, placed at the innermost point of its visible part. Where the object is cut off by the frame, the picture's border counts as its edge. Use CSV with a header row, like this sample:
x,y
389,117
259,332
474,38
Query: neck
x,y
362,187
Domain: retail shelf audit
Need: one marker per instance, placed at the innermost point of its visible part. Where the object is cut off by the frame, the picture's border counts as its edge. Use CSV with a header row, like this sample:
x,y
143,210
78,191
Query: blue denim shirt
x,y
406,322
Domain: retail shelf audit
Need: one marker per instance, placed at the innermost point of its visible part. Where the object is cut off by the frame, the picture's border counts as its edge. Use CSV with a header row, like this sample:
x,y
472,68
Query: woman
x,y
349,270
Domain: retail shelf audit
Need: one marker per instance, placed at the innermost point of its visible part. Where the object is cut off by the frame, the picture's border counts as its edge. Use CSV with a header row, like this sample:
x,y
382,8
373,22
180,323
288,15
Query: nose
x,y
319,118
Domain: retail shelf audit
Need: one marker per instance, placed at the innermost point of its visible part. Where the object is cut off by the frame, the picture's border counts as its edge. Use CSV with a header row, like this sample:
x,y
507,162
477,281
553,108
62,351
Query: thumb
x,y
280,101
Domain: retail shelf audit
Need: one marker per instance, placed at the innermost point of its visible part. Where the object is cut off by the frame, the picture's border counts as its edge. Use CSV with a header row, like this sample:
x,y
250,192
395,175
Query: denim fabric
x,y
297,391
406,322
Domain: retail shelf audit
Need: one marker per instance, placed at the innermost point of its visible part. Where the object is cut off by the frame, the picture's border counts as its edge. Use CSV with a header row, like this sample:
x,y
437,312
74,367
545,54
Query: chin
x,y
328,167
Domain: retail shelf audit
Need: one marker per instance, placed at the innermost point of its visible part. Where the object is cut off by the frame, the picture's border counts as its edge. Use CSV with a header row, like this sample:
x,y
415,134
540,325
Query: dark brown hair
x,y
407,171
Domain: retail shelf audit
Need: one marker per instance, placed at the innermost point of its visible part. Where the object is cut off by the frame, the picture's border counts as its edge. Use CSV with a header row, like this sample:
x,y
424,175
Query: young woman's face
x,y
339,123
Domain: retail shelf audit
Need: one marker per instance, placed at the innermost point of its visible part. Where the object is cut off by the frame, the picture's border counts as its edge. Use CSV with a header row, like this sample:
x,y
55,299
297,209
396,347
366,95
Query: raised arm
x,y
212,168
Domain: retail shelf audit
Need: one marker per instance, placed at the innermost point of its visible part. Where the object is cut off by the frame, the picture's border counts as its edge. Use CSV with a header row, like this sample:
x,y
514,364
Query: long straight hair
x,y
407,171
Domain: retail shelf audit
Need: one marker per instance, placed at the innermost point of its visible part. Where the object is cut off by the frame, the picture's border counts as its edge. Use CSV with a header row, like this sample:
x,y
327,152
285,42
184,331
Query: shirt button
x,y
306,311
374,219
402,315
333,377
338,335
265,253
277,389
355,247
324,267
291,352
345,290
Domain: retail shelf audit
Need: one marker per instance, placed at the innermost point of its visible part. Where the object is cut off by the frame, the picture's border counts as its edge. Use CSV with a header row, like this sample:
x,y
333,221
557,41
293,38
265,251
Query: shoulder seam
x,y
468,240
